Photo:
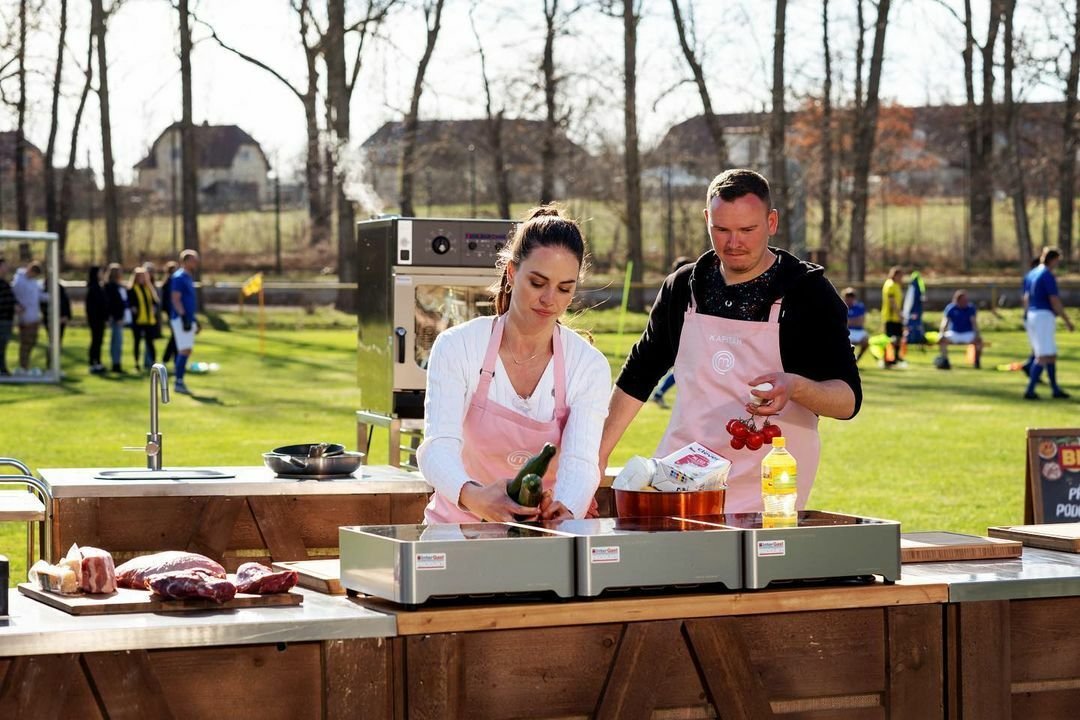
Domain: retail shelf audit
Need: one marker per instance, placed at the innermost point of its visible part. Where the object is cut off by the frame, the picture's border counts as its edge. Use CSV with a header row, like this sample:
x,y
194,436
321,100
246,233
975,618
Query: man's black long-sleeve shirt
x,y
813,321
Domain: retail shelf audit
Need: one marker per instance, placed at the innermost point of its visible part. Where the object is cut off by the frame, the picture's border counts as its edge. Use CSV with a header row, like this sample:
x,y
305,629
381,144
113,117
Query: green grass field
x,y
933,449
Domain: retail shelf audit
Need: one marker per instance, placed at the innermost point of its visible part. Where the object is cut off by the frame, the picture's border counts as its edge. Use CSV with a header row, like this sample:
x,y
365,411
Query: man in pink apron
x,y
743,314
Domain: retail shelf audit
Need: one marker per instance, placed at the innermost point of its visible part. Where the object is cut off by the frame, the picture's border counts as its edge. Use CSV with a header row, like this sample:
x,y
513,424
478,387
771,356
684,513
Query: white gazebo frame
x,y
52,263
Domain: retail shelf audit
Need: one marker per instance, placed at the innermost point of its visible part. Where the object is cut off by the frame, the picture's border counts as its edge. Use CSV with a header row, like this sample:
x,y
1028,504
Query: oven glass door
x,y
424,306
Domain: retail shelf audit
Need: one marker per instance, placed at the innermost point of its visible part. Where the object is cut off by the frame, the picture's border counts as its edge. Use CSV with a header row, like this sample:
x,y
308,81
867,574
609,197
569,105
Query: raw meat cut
x,y
98,571
136,571
251,577
180,584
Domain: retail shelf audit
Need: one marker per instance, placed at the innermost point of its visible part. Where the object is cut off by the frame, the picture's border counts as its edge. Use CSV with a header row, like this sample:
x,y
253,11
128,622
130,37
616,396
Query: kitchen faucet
x,y
159,382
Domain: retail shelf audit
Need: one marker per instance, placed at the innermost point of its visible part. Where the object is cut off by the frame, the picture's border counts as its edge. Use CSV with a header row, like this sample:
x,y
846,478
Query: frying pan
x,y
301,460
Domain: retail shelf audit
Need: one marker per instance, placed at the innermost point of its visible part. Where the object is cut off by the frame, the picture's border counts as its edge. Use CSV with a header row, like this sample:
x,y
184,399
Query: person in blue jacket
x,y
958,327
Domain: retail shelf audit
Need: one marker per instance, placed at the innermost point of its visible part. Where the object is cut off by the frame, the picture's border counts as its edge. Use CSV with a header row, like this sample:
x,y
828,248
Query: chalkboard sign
x,y
1053,476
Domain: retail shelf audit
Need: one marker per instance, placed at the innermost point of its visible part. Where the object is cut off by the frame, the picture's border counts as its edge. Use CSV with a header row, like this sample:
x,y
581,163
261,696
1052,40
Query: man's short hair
x,y
185,254
1049,255
849,292
34,268
733,184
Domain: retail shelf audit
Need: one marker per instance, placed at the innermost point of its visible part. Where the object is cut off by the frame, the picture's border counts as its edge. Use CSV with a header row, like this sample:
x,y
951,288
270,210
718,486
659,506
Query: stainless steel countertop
x,y
1036,574
34,628
254,480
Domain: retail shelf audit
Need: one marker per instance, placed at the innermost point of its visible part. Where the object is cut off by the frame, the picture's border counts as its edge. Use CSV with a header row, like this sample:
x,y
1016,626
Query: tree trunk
x,y
865,129
980,132
495,135
412,119
338,89
825,188
189,167
632,159
1070,145
712,122
51,215
64,209
1016,170
777,156
113,251
22,204
547,144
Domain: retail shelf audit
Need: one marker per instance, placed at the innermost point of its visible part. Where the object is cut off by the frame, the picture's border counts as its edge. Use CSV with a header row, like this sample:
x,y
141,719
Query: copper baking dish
x,y
634,503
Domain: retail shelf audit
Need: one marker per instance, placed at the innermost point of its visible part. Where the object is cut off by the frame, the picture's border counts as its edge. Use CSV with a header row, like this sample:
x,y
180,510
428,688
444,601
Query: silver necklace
x,y
521,362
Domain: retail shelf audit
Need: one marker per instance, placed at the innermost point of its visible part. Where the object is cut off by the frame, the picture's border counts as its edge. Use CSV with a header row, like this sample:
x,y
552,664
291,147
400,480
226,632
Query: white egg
x,y
761,387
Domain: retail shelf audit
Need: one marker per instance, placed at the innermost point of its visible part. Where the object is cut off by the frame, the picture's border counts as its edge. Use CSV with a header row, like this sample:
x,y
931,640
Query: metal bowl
x,y
636,503
344,463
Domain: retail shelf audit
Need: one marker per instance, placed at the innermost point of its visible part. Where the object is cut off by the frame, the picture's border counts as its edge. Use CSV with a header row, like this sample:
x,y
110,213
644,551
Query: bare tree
x,y
433,22
1012,121
632,159
318,214
51,214
979,121
340,84
862,152
494,128
712,122
825,187
64,206
777,131
1070,145
22,204
189,166
98,19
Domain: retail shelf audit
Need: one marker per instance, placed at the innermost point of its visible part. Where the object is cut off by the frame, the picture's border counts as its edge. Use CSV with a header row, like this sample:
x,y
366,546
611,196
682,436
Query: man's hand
x,y
551,510
490,502
186,322
772,401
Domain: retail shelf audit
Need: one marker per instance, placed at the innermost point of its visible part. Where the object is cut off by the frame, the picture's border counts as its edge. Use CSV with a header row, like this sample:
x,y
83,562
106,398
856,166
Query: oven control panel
x,y
451,242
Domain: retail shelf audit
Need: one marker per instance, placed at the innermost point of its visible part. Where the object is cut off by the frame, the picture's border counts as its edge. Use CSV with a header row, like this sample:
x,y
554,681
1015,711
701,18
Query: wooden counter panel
x,y
862,663
1060,705
229,529
469,617
1045,644
331,679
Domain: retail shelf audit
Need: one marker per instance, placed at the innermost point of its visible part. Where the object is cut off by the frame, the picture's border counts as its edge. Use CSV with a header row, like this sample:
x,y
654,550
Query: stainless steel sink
x,y
164,474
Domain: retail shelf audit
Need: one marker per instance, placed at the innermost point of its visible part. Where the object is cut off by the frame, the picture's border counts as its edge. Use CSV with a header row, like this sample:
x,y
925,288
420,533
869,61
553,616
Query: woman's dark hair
x,y
543,226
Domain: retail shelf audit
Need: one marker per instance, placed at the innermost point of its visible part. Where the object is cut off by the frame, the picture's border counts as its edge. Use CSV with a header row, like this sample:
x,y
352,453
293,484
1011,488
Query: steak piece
x,y
98,571
251,577
180,584
136,571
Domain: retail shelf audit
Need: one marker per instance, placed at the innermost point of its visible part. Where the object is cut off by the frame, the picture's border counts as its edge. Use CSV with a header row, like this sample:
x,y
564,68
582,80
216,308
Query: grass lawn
x,y
933,449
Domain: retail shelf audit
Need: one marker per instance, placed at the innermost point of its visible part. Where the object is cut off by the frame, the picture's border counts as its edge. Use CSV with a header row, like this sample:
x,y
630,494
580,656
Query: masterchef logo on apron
x,y
723,361
518,457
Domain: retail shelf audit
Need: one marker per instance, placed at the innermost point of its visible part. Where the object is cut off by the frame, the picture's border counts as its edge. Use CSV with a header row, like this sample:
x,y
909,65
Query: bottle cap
x,y
779,441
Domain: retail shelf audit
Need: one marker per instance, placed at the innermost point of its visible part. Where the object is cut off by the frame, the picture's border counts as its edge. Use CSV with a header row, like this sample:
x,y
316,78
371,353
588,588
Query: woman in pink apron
x,y
500,388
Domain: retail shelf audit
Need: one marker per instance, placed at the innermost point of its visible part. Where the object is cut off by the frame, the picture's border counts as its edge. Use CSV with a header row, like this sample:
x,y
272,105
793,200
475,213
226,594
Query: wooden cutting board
x,y
126,600
320,575
942,546
1049,536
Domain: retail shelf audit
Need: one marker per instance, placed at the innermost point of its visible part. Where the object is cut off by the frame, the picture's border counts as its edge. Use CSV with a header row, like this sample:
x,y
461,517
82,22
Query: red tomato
x,y
737,443
755,440
740,431
770,431
730,427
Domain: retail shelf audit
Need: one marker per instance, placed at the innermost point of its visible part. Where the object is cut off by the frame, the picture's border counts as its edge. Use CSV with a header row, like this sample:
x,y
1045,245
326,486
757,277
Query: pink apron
x,y
717,358
497,440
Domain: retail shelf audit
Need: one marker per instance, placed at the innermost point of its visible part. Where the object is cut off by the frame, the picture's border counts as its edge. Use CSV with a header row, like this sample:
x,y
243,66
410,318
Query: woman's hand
x,y
491,503
551,510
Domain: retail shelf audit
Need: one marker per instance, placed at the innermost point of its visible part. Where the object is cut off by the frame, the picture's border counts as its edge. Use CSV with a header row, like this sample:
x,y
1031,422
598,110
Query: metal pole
x,y
54,305
472,180
277,218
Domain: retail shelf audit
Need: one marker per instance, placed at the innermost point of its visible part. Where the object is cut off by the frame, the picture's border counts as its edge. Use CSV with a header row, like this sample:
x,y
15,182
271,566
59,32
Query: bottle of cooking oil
x,y
779,486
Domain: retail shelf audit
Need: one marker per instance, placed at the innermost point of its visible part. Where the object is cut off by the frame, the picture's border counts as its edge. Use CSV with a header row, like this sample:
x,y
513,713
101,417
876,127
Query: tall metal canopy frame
x,y
52,263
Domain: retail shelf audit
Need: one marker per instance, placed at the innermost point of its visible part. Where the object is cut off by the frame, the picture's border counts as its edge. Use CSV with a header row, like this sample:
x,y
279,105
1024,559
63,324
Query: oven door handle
x,y
399,333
